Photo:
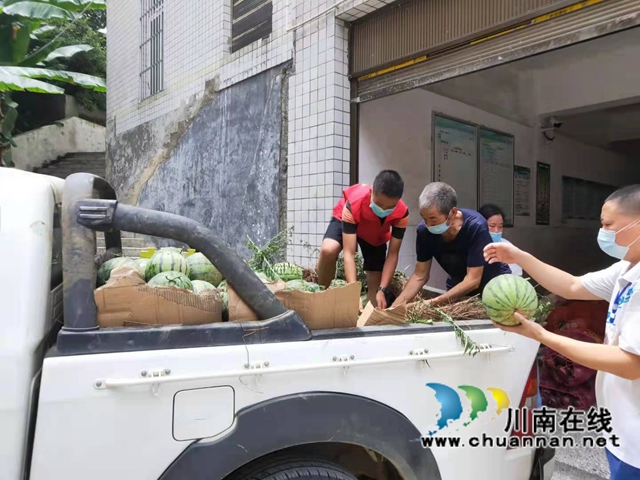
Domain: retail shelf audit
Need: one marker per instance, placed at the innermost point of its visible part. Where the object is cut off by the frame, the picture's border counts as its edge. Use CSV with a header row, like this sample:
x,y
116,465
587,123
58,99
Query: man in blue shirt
x,y
455,237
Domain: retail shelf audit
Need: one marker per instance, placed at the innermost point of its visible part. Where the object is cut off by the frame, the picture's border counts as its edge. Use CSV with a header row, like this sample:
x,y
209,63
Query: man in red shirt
x,y
369,217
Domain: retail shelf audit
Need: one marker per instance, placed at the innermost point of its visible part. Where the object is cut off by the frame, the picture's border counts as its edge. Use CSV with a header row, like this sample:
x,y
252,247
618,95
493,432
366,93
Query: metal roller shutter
x,y
580,22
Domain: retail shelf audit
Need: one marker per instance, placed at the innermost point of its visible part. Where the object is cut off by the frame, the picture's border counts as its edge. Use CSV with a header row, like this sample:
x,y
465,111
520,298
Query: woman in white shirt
x,y
495,220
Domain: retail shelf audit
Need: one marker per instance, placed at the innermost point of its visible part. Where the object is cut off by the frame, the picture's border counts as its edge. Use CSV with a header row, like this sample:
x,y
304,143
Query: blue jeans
x,y
621,470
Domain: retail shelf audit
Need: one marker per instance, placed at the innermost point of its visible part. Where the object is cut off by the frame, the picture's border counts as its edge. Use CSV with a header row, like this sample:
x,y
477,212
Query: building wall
x,y
395,132
199,65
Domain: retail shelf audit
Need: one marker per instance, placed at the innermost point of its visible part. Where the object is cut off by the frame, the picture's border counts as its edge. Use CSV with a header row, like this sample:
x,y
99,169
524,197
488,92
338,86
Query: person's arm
x,y
349,244
471,282
553,279
391,262
415,283
390,265
605,358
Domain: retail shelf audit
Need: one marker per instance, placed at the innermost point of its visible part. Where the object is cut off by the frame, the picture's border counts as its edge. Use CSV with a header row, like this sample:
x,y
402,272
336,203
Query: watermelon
x,y
104,272
297,284
507,294
337,283
288,271
200,286
223,286
171,279
166,261
141,265
170,249
200,268
304,286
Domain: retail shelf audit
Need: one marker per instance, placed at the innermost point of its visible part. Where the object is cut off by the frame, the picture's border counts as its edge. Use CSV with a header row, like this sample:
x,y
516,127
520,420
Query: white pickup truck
x,y
259,400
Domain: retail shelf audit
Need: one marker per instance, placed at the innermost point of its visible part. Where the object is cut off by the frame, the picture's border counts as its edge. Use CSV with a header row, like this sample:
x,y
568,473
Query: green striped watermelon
x,y
288,271
171,279
104,272
507,294
200,268
166,261
200,286
141,265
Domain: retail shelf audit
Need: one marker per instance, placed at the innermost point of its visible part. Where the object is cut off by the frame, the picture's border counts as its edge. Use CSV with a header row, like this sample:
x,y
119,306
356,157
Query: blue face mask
x,y
439,229
380,212
496,236
607,242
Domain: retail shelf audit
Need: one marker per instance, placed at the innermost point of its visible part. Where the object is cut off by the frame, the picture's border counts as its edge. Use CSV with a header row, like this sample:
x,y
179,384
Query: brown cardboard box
x,y
240,311
333,308
126,300
391,316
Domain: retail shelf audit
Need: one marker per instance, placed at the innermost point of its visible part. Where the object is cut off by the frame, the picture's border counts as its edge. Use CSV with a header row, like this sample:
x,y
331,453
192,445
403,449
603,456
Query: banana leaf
x,y
10,82
67,52
90,82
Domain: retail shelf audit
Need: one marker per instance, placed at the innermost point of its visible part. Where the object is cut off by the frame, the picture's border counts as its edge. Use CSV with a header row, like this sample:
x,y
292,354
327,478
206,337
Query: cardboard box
x,y
240,311
332,308
372,316
126,300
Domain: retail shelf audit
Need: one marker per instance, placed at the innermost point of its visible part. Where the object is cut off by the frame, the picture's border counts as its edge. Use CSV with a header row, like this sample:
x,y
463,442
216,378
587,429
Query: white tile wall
x,y
196,39
197,34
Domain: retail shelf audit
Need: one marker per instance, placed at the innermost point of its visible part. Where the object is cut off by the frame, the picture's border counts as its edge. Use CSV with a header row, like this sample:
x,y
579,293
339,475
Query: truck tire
x,y
292,468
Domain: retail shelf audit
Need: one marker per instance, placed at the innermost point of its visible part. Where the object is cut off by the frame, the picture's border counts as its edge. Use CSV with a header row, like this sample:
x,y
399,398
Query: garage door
x,y
548,31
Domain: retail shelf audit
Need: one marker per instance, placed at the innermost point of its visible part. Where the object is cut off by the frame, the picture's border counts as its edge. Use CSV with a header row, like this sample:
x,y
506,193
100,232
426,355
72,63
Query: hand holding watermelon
x,y
526,328
503,252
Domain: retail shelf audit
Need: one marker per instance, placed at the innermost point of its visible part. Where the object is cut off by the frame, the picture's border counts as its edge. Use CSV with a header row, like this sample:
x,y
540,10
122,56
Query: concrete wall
x,y
225,168
72,135
395,132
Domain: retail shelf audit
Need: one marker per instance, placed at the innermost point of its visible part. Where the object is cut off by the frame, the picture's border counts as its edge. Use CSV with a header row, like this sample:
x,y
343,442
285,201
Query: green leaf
x,y
67,52
77,5
9,82
34,58
90,82
20,42
41,30
41,11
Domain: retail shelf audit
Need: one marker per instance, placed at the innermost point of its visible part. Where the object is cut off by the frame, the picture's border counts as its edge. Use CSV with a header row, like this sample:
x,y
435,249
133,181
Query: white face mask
x,y
607,242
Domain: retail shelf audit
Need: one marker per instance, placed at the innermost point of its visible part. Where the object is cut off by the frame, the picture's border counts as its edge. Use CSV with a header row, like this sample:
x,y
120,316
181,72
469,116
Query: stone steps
x,y
88,162
132,243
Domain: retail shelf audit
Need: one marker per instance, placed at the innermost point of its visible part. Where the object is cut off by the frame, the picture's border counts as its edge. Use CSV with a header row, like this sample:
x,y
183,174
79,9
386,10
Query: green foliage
x,y
84,31
361,275
263,259
22,23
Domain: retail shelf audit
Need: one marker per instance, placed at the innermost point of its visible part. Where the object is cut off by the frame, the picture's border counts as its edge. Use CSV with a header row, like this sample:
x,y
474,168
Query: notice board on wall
x,y
583,199
543,193
496,154
522,188
455,158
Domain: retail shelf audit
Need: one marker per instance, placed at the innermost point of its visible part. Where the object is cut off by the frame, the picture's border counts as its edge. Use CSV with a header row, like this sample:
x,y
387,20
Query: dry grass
x,y
469,309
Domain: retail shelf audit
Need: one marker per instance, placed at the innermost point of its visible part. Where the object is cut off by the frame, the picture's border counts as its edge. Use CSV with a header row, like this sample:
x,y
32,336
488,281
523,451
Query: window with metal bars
x,y
251,21
151,47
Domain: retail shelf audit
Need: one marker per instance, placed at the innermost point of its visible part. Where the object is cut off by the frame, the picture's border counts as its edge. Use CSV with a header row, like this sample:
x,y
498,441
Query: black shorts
x,y
374,257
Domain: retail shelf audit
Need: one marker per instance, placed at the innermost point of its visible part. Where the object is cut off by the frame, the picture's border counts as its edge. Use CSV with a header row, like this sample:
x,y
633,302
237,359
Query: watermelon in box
x,y
200,268
166,261
171,279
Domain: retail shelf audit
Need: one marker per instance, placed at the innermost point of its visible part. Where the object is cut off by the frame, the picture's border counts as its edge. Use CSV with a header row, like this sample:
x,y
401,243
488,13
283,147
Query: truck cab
x,y
231,400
